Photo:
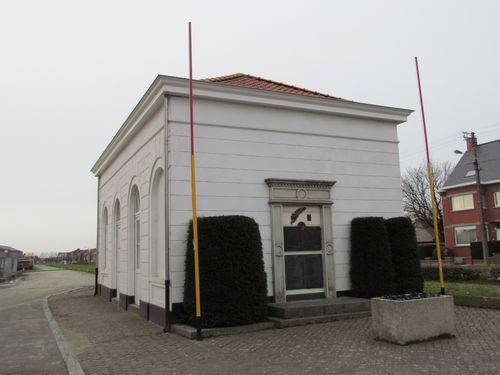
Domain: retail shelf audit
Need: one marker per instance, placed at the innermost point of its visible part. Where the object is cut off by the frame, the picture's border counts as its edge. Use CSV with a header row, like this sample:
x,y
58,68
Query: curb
x,y
69,357
190,332
472,301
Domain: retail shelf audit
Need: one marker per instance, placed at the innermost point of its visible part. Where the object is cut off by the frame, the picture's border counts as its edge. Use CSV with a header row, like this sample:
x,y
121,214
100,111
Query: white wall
x,y
239,146
135,164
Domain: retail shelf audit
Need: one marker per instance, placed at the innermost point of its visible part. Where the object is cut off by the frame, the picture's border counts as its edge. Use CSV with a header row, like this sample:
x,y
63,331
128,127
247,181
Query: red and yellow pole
x,y
431,183
193,197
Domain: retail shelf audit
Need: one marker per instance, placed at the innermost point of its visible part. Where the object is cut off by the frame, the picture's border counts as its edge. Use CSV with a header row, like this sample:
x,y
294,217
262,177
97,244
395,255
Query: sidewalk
x,y
108,340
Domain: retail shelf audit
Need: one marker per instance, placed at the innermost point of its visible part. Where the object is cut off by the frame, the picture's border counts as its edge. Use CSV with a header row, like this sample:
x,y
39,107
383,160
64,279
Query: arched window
x,y
104,238
116,240
157,222
135,203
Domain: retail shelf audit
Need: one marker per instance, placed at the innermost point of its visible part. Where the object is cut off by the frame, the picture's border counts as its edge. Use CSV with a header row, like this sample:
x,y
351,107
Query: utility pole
x,y
479,189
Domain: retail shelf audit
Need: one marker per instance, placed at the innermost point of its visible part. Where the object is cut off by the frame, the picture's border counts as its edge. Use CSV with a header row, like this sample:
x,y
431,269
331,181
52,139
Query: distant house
x,y
62,257
265,149
8,260
425,233
460,201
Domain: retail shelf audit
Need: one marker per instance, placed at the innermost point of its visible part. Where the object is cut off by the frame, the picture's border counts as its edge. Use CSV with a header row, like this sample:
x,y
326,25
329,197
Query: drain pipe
x,y
168,319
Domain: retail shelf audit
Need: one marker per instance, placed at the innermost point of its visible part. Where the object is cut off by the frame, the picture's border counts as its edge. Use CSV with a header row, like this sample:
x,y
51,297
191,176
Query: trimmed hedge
x,y
232,278
476,249
463,273
452,273
371,272
405,260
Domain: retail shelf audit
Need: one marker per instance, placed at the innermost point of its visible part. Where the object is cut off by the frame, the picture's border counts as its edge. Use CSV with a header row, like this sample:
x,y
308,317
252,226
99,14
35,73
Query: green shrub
x,y
232,278
371,272
494,273
452,273
405,261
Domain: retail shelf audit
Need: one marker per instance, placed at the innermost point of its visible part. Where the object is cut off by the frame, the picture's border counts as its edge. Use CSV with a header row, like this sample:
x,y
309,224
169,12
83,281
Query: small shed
x,y
268,150
8,261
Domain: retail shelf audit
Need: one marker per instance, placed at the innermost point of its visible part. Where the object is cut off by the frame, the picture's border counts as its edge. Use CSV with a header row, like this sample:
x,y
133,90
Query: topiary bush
x,y
232,278
371,272
404,252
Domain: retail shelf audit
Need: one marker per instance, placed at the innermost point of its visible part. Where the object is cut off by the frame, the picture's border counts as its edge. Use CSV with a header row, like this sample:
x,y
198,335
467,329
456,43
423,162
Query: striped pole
x,y
193,197
431,182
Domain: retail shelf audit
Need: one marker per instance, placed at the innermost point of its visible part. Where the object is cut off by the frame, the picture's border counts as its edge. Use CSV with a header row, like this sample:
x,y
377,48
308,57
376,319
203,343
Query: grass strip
x,y
476,288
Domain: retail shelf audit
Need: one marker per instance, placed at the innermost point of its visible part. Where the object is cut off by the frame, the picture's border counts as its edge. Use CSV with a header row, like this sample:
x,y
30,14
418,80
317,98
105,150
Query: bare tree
x,y
417,193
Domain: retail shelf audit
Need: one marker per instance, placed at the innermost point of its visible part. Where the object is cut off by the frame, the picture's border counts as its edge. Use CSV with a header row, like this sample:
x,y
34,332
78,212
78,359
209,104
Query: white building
x,y
288,157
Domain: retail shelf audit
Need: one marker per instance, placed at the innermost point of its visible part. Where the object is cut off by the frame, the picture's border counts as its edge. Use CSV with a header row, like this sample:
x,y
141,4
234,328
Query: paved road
x,y
27,345
108,340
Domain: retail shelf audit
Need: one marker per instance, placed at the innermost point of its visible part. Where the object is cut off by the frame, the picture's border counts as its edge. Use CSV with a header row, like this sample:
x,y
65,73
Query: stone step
x,y
315,308
293,322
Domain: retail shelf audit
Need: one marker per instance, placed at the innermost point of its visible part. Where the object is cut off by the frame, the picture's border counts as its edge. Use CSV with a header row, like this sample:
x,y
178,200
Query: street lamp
x,y
484,239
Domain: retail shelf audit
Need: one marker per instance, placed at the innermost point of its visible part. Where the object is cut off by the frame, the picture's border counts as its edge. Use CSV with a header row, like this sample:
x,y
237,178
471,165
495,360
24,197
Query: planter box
x,y
403,322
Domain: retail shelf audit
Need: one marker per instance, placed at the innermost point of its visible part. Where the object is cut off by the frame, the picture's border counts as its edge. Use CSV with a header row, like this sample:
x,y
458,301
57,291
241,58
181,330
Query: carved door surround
x,y
312,193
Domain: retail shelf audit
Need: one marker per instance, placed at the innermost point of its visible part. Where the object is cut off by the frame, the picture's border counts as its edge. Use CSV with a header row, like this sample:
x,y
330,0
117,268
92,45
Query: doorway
x,y
302,239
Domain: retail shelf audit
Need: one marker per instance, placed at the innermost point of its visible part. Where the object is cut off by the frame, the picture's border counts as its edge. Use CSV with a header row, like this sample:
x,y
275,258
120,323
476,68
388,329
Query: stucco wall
x,y
135,164
239,146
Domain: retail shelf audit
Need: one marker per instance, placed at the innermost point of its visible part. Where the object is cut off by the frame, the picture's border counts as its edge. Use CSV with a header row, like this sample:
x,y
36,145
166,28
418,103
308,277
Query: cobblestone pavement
x,y
27,345
108,340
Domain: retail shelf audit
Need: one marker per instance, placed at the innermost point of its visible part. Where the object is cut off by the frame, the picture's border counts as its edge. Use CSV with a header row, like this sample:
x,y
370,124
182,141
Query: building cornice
x,y
174,86
471,183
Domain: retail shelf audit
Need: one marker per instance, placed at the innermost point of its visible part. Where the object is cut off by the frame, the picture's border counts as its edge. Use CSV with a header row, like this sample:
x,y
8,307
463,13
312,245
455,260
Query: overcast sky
x,y
71,72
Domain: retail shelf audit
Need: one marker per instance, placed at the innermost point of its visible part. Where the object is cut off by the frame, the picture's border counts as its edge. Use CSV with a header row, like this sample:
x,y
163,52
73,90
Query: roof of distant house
x,y
10,249
253,82
488,157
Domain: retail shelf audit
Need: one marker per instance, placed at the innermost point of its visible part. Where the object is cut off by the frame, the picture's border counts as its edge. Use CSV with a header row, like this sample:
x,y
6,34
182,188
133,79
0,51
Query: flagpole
x,y
431,182
193,197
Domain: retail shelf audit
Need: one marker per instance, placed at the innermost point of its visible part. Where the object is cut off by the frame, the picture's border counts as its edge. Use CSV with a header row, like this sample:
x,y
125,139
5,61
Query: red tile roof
x,y
246,80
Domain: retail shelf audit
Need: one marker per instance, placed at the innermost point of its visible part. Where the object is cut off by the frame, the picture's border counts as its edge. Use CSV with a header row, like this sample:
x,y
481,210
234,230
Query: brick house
x,y
460,200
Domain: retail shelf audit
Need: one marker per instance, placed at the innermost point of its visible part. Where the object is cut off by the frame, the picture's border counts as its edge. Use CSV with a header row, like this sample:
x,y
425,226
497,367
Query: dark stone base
x,y
144,310
147,311
105,292
125,301
157,314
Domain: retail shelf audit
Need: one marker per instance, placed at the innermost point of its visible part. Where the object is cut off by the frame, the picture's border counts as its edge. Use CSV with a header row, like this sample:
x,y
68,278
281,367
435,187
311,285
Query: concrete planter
x,y
407,321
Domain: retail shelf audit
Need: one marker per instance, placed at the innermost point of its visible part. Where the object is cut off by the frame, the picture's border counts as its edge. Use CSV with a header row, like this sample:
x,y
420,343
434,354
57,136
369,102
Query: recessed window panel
x,y
302,228
304,271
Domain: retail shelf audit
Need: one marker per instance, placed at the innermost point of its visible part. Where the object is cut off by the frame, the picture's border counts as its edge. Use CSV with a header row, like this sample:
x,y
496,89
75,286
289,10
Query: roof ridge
x,y
223,79
485,143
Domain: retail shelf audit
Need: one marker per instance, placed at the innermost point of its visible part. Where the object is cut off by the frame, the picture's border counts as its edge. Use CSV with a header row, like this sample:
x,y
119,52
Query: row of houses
x,y
77,256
